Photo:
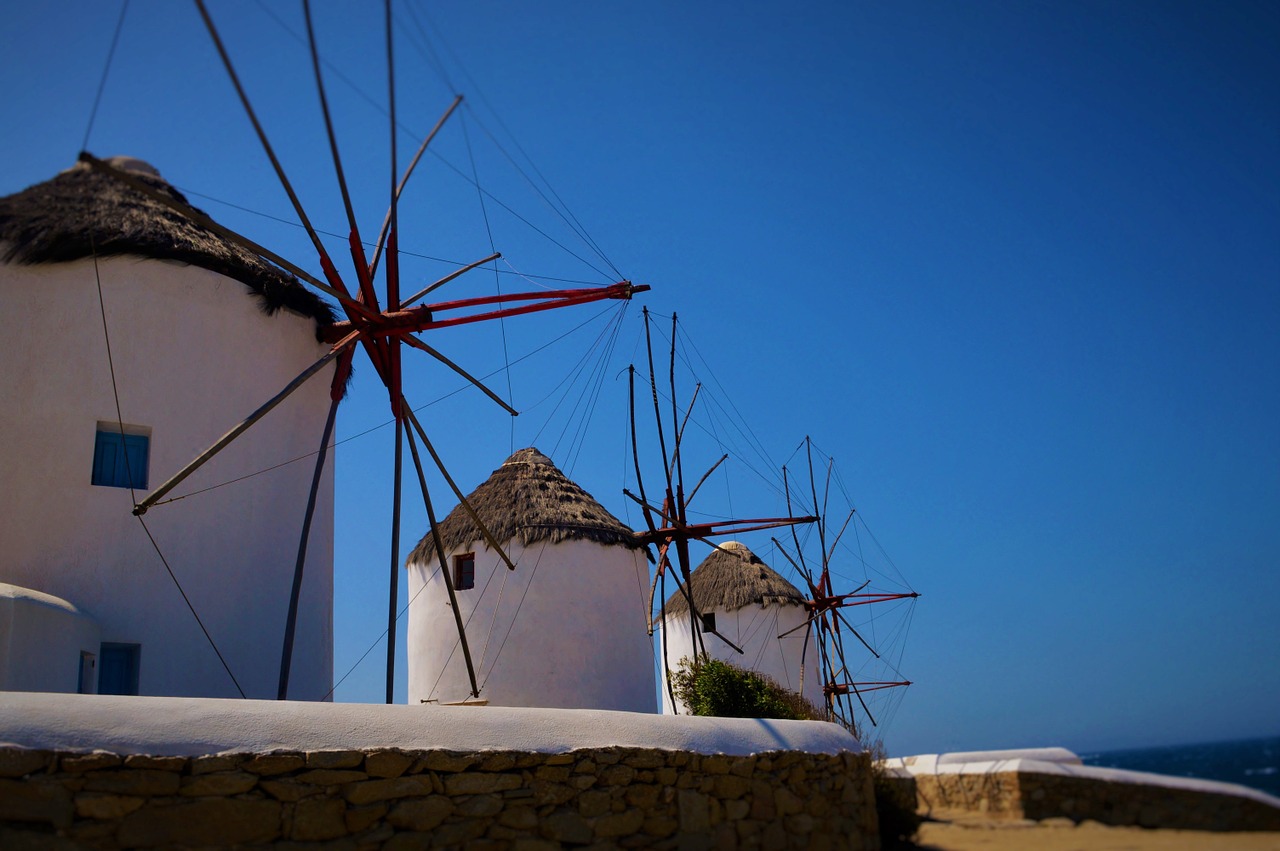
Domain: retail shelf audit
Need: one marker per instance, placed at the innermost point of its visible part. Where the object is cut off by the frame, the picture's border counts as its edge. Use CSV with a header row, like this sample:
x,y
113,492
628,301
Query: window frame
x,y
464,571
112,469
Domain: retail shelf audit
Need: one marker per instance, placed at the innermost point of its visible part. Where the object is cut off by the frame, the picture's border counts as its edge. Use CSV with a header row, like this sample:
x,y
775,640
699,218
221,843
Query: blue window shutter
x,y
134,473
106,447
120,460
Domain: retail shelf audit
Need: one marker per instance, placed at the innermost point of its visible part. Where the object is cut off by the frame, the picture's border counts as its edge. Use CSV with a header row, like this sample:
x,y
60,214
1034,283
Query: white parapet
x,y
166,726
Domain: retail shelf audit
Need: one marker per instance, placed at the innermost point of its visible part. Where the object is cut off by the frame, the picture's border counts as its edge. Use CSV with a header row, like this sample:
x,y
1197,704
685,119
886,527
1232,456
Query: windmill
x,y
828,623
668,522
381,328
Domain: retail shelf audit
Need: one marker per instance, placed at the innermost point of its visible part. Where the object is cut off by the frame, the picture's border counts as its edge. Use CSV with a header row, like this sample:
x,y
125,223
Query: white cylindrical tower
x,y
565,629
132,339
742,599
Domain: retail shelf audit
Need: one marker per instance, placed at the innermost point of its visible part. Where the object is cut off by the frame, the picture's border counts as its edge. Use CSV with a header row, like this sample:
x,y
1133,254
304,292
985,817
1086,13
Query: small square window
x,y
120,459
709,622
464,571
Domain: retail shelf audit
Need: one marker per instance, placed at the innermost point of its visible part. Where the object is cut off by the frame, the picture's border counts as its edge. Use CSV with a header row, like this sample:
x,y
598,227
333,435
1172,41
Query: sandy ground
x,y
1055,835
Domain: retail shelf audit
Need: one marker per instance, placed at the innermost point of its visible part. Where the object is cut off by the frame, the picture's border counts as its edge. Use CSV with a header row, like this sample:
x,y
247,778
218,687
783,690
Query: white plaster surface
x,y
996,762
41,639
197,726
755,629
193,354
565,629
1061,755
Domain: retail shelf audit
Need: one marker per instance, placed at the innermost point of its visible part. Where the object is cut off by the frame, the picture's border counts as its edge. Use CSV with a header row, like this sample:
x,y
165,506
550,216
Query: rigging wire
x,y
115,392
106,70
558,205
581,234
497,281
461,388
596,386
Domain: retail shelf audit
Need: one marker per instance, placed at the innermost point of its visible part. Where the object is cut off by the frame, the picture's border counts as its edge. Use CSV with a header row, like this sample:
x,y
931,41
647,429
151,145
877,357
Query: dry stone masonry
x,y
599,797
1032,795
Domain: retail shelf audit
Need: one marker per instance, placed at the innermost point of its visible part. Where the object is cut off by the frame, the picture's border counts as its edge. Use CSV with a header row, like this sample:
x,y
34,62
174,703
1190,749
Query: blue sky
x,y
1016,266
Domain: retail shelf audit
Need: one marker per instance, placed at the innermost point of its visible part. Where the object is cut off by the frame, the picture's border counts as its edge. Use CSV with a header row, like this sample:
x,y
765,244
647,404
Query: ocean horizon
x,y
1248,762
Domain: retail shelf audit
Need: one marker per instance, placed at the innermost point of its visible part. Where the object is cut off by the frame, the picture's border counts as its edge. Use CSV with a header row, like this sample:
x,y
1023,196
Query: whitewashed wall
x,y
193,356
565,629
41,639
755,629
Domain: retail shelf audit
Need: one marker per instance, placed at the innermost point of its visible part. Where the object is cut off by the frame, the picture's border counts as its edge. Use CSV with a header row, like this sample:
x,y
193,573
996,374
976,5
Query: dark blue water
x,y
1250,762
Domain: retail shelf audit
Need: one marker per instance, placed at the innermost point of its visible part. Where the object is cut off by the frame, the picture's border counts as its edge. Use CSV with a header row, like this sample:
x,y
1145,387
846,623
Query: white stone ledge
x,y
1022,761
176,726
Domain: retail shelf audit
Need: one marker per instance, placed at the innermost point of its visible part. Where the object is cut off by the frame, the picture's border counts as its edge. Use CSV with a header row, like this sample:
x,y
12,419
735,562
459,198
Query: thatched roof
x,y
81,211
733,577
528,500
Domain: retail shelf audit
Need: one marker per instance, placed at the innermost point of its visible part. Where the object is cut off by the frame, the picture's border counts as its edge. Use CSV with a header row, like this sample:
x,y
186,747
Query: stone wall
x,y
614,797
1031,795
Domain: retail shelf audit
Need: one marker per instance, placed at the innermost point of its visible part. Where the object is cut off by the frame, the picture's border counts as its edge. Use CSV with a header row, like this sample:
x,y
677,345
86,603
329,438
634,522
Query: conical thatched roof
x,y
528,500
81,211
730,578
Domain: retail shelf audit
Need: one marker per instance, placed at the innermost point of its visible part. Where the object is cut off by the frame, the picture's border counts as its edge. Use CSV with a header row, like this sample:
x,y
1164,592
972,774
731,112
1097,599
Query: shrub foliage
x,y
709,686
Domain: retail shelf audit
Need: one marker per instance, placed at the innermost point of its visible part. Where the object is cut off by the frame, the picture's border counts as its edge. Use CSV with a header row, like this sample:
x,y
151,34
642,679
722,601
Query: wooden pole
x,y
286,655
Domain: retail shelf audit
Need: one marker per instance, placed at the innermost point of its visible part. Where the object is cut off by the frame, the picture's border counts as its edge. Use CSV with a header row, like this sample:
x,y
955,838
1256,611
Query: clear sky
x,y
1016,266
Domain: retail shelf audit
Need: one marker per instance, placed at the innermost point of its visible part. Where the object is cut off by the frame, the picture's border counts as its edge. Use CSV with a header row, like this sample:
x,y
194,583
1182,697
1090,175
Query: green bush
x,y
709,686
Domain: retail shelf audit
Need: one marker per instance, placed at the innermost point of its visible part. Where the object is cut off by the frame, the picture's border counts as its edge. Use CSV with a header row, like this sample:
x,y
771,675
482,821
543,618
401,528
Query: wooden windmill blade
x,y
382,333
676,530
828,622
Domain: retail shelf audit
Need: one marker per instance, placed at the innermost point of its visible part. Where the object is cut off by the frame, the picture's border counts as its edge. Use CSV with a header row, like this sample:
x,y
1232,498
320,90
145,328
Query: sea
x,y
1249,762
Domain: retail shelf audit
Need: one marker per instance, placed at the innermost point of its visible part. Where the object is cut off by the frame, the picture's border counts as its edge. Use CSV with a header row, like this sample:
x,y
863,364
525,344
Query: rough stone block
x,y
160,763
518,818
592,804
207,821
388,763
617,775
369,791
566,827
411,841
289,790
479,806
645,797
420,814
479,784
445,761
89,761
619,824
361,818
333,759
215,762
275,763
716,764
500,761
218,783
458,834
319,818
660,826
329,776
103,806
787,802
18,762
130,781
730,787
531,844
695,815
